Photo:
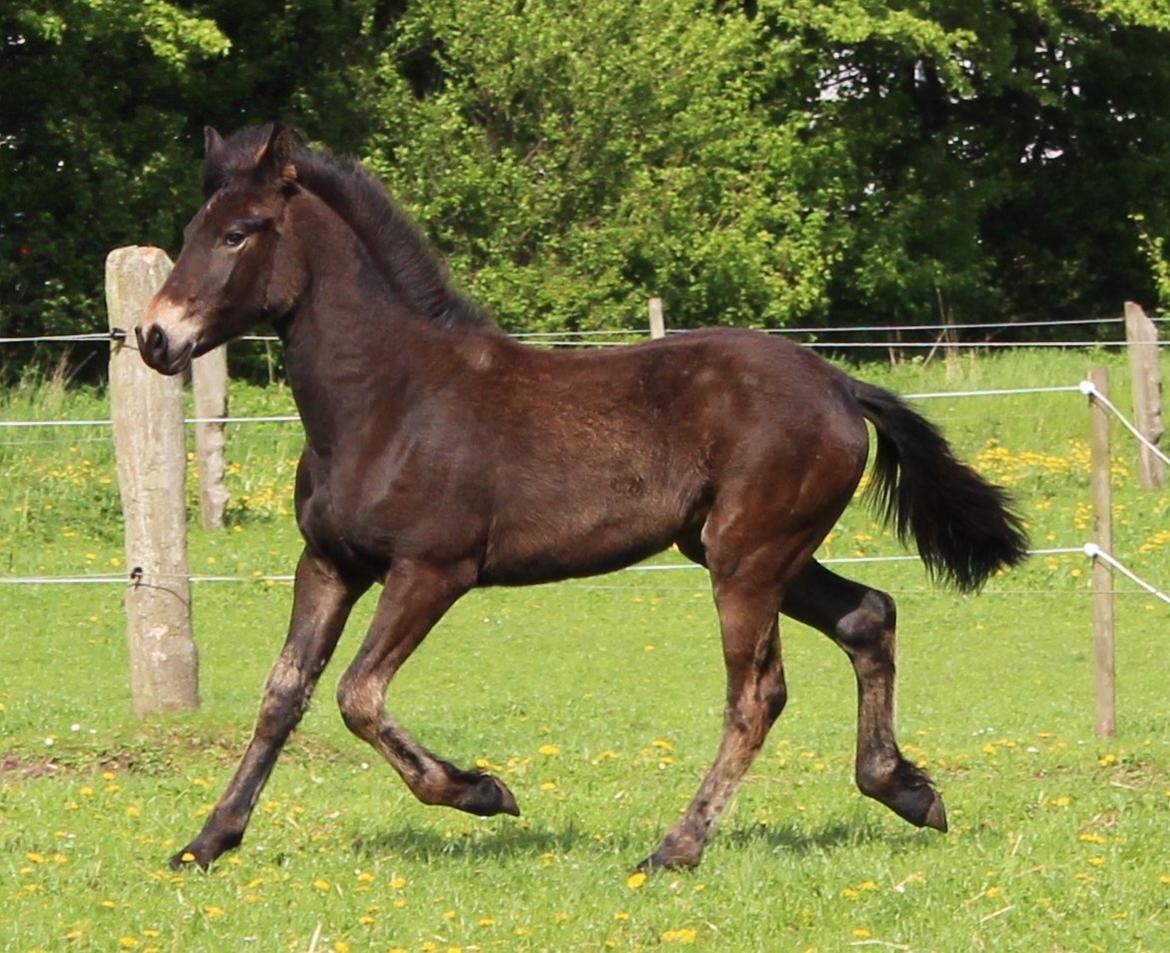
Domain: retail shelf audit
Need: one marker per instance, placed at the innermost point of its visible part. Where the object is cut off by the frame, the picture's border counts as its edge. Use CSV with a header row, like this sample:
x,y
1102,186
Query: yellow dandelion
x,y
636,879
214,911
321,883
397,882
549,750
1092,838
684,935
861,933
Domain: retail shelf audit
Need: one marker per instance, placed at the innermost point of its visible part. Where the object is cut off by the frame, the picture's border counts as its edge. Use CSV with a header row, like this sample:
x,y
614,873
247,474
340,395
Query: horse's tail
x,y
961,523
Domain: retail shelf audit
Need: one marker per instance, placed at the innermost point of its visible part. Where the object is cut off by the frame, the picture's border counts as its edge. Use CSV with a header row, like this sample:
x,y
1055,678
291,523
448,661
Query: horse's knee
x,y
871,623
360,702
286,698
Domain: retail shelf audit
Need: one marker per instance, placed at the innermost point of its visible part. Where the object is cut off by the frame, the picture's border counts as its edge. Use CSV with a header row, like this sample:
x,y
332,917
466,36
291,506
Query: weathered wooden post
x,y
209,381
657,321
1104,688
1141,334
149,444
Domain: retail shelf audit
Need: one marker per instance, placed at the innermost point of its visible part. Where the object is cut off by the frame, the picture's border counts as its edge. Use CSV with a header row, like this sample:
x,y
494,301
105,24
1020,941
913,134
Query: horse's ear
x,y
274,160
212,143
214,158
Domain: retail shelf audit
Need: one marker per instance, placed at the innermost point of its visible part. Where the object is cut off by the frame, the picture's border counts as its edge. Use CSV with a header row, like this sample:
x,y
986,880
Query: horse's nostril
x,y
152,343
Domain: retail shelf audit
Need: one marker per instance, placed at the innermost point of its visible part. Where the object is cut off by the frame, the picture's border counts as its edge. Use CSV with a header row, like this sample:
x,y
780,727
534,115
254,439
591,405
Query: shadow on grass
x,y
827,839
428,844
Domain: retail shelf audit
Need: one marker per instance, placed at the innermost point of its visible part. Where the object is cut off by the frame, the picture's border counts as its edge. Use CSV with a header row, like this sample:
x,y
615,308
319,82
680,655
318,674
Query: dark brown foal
x,y
441,455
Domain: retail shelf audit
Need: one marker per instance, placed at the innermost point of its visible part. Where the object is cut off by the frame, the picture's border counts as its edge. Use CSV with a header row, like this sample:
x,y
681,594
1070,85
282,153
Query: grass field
x,y
599,702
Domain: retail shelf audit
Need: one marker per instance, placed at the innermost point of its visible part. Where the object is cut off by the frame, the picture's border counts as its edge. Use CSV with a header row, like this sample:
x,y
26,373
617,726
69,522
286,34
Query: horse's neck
x,y
350,345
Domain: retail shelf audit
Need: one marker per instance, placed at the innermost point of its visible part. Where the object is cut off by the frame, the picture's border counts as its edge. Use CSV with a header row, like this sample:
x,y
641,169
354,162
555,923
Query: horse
x,y
441,455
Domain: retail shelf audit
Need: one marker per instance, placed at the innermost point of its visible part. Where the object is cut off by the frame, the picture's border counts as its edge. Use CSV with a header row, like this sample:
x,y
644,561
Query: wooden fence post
x,y
657,321
1145,371
150,447
1104,688
209,381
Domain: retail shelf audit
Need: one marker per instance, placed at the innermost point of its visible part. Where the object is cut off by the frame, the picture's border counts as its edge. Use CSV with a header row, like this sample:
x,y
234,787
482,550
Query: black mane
x,y
398,249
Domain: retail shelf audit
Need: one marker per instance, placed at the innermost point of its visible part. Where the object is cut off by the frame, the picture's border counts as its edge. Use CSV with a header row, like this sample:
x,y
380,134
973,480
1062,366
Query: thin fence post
x,y
657,321
1104,682
209,382
1145,371
150,449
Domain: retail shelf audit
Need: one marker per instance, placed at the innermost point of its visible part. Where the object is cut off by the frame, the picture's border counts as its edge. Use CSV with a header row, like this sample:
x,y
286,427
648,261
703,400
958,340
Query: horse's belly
x,y
560,544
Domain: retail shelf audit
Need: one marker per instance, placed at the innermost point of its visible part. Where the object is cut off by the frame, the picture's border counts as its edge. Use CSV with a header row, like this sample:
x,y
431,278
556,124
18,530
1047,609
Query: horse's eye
x,y
234,239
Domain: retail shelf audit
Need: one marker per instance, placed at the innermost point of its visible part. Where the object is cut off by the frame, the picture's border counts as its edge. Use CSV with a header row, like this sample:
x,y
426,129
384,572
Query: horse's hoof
x,y
489,796
936,817
670,857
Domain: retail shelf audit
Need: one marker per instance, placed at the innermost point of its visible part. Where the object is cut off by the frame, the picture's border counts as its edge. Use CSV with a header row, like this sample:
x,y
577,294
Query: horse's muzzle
x,y
158,351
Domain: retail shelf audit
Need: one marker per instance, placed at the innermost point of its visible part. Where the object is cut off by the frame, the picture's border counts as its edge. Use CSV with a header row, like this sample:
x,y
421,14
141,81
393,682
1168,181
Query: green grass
x,y
1059,840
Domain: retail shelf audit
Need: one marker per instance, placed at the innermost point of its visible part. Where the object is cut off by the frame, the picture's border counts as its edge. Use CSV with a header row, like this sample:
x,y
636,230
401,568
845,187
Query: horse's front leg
x,y
322,599
414,598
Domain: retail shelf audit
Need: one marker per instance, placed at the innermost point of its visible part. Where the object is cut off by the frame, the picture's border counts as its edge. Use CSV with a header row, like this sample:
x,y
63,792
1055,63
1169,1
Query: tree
x,y
763,162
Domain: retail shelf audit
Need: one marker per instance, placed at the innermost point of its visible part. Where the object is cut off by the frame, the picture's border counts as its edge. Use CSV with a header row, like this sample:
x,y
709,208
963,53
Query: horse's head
x,y
239,264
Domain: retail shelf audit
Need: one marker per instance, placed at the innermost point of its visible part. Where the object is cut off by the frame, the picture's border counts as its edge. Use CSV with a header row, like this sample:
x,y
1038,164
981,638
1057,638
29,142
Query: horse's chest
x,y
333,526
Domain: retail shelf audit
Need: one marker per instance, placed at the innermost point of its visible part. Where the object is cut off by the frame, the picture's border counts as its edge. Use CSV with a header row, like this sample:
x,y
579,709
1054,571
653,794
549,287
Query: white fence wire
x,y
1085,387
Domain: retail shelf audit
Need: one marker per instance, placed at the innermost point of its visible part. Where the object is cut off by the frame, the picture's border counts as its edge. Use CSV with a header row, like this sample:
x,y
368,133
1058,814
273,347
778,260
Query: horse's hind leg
x,y
861,621
756,694
414,598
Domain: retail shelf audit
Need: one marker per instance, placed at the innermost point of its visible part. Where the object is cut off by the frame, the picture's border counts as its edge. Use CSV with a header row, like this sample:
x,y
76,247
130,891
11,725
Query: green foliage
x,y
757,163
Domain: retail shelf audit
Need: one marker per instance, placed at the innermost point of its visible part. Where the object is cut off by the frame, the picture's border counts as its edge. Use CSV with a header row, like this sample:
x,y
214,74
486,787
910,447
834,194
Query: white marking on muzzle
x,y
172,318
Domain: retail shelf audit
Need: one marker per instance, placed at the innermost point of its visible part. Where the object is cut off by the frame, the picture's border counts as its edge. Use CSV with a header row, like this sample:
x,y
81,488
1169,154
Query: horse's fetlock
x,y
876,774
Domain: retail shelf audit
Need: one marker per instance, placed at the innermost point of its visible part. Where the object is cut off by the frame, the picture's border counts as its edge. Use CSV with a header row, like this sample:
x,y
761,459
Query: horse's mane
x,y
398,249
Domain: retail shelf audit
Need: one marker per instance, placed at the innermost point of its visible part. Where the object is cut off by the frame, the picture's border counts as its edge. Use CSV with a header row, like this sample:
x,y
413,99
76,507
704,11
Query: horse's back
x,y
602,458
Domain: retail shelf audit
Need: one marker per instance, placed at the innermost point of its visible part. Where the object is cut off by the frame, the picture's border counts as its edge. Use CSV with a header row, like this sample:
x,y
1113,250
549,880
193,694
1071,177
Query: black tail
x,y
961,523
